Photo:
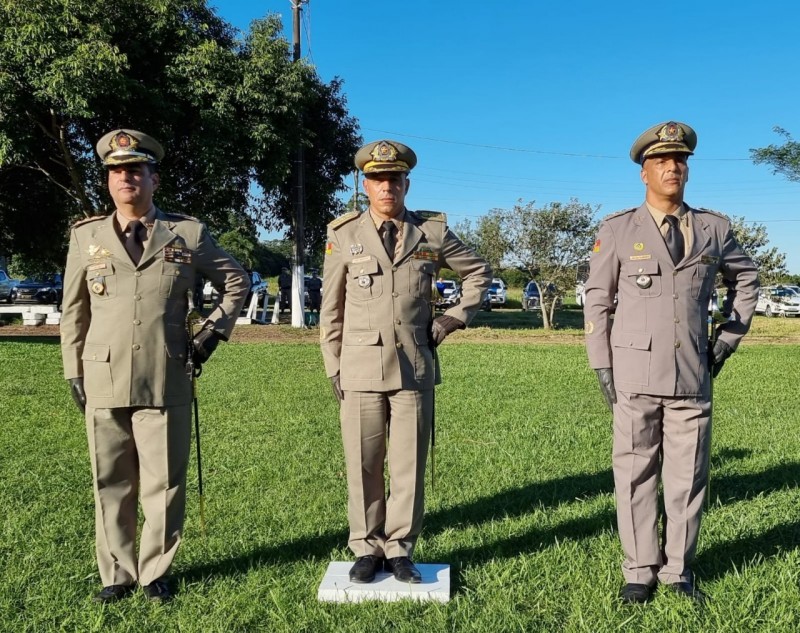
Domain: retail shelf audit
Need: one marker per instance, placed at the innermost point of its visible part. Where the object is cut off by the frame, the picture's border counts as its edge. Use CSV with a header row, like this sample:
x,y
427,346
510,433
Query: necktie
x,y
674,239
134,242
389,237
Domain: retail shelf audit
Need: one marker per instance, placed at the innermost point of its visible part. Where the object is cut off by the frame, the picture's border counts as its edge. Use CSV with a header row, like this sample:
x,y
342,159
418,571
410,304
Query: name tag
x,y
361,260
98,266
177,255
637,257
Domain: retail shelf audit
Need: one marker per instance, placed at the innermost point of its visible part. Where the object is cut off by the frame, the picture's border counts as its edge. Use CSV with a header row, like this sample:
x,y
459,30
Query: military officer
x,y
314,289
653,359
124,342
378,337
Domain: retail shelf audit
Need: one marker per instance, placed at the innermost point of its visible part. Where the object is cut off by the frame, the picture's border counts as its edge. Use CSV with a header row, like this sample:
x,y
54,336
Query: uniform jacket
x,y
657,340
376,315
123,326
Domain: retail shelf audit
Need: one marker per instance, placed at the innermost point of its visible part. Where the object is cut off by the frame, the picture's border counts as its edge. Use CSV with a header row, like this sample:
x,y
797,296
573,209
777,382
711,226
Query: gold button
x,y
394,294
137,297
675,296
361,271
397,321
177,272
94,357
136,346
137,274
677,344
677,320
641,270
399,345
674,273
137,322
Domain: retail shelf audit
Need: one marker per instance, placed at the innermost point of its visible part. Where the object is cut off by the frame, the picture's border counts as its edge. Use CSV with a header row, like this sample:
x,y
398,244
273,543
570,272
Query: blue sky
x,y
541,101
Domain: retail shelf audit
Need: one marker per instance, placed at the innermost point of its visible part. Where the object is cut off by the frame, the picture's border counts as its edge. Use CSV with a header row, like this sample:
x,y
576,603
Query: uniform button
x,y
675,296
138,273
677,344
137,322
362,271
136,346
361,340
641,270
394,294
180,355
677,320
674,273
94,356
399,345
394,269
397,322
177,272
137,297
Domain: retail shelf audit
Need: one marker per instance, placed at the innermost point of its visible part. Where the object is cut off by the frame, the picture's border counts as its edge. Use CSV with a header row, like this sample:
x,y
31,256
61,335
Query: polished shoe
x,y
112,593
403,569
158,591
365,568
635,593
688,590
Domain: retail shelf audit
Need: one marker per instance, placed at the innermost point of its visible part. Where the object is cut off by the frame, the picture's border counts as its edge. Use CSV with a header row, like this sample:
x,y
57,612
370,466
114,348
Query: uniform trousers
x,y
138,451
677,432
370,422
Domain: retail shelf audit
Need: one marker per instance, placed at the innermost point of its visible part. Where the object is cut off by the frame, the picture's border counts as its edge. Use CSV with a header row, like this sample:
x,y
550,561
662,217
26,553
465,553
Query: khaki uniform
x,y
374,328
657,345
123,329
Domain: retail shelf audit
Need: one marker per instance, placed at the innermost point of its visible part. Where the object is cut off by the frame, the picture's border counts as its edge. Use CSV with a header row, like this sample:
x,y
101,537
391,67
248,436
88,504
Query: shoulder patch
x,y
620,213
436,216
93,218
343,219
719,214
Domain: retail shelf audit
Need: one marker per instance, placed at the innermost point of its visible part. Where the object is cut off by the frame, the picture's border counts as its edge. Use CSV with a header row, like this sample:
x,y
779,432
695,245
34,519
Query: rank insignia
x,y
95,251
329,248
425,252
638,246
596,247
356,249
177,255
364,281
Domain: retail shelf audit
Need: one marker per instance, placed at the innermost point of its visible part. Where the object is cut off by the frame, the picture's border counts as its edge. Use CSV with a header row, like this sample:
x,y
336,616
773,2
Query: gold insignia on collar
x,y
638,246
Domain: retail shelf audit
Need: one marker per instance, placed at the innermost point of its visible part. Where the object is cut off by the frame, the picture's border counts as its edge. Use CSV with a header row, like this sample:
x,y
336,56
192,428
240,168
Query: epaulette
x,y
619,213
436,216
719,214
93,218
181,216
343,219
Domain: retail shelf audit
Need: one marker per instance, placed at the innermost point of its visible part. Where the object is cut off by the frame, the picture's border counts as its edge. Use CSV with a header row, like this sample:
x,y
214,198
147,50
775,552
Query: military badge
x,y
361,260
644,281
365,281
589,327
671,132
96,266
638,246
98,286
95,251
356,249
123,141
329,248
596,247
426,253
177,255
638,257
384,153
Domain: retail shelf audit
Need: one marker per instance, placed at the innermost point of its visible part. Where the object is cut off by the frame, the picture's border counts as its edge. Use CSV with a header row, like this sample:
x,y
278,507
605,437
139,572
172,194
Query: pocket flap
x,y
176,350
175,269
93,351
361,338
642,267
632,340
367,267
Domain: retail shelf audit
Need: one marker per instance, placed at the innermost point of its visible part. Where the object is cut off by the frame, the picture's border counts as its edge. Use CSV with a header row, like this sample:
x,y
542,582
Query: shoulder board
x,y
343,219
719,214
620,213
436,216
93,218
181,216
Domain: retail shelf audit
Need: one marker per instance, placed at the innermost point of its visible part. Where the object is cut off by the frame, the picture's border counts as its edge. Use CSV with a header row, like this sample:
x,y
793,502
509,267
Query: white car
x,y
778,301
449,292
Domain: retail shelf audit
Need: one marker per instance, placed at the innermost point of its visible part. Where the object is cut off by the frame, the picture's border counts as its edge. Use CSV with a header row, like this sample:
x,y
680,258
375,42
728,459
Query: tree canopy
x,y
753,239
784,159
230,109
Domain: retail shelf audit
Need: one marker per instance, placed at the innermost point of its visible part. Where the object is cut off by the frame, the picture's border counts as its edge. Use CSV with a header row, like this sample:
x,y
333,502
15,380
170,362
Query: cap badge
x,y
384,153
123,141
671,132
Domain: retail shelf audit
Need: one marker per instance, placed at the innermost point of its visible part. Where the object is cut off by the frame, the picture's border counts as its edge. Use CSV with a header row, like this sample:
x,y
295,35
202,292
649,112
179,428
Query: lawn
x,y
522,508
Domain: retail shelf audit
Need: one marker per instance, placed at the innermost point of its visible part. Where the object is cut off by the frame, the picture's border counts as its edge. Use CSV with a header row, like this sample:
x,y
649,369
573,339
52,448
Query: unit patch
x,y
589,327
596,247
329,248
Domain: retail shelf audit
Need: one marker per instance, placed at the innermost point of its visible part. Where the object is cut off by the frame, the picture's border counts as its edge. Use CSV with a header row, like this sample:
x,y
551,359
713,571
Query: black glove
x,y
606,378
444,325
204,344
336,384
78,394
717,356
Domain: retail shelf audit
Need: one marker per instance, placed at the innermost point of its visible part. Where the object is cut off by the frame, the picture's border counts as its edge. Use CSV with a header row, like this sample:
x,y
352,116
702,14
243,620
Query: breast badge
x,y
98,286
638,246
356,249
95,251
589,327
177,255
365,281
644,281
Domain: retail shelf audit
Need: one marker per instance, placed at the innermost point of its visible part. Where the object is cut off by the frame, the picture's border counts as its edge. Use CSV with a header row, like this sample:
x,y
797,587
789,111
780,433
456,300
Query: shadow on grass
x,y
508,319
45,339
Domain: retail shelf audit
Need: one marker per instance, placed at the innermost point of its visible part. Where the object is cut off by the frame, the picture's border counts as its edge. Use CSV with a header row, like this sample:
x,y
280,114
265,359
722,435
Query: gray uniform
x,y
657,345
123,329
374,329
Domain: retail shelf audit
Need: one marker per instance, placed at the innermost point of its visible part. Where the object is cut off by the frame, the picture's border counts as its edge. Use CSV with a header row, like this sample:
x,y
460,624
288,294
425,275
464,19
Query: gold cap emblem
x,y
671,132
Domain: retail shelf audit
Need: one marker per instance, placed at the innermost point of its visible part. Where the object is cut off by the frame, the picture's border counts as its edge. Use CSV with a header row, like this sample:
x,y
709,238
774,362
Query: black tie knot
x,y
389,229
674,239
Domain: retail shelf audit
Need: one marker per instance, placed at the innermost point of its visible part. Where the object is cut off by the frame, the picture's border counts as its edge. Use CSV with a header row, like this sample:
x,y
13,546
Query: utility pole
x,y
298,177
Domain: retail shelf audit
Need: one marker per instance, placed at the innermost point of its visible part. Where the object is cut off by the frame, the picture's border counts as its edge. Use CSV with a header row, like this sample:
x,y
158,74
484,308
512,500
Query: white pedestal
x,y
336,585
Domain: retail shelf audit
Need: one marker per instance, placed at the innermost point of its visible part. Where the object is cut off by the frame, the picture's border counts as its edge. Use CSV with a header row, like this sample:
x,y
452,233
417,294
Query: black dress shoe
x,y
688,590
403,569
112,593
158,591
365,568
635,593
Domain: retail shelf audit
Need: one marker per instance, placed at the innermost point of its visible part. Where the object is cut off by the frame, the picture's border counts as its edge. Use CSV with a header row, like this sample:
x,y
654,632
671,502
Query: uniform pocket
x,y
361,355
176,381
631,356
703,280
644,277
364,281
175,279
421,277
97,370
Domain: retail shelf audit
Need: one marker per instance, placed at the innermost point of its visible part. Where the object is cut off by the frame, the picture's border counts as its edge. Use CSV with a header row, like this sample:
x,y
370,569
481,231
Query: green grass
x,y
523,507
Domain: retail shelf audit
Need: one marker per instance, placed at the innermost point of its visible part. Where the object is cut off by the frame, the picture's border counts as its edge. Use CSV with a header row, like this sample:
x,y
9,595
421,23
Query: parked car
x,y
531,300
6,286
497,292
778,301
449,292
39,289
257,285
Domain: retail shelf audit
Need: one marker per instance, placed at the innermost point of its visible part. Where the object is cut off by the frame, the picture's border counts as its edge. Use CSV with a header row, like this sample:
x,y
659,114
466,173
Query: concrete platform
x,y
336,585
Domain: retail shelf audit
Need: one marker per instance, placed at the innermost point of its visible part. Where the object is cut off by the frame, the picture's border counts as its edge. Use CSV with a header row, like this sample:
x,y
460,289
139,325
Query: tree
x,y
227,109
752,237
549,243
784,159
488,238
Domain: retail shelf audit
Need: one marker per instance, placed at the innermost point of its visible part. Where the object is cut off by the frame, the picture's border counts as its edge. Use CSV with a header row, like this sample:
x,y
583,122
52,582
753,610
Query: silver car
x,y
778,301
